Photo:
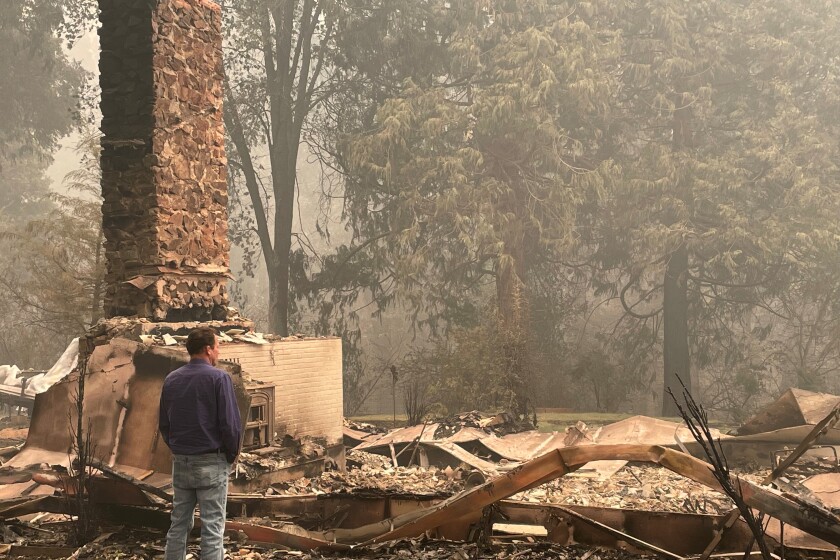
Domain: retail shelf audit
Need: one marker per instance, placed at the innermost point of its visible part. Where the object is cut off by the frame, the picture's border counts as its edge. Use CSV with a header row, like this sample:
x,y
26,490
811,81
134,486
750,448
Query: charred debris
x,y
470,486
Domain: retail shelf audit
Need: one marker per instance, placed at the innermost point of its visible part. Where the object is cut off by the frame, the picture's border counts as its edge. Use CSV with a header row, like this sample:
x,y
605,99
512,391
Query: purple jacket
x,y
198,411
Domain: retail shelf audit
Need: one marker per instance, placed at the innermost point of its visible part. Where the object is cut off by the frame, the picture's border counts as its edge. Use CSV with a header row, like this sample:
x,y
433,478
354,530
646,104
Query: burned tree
x,y
698,423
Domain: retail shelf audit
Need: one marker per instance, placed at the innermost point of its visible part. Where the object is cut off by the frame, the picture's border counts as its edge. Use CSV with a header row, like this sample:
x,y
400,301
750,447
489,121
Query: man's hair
x,y
199,339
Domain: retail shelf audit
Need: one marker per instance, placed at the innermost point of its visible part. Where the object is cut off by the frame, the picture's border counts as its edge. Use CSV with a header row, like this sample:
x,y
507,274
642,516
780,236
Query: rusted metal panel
x,y
443,454
425,433
352,437
644,429
103,490
822,426
826,487
680,533
49,438
620,535
290,536
124,429
52,504
796,407
524,445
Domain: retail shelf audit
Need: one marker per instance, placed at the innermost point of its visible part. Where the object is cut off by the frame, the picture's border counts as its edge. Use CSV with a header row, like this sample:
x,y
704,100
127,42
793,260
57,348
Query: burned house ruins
x,y
165,224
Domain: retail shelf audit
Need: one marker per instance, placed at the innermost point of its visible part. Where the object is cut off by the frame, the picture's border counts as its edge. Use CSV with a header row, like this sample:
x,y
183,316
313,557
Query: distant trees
x,y
723,160
40,90
683,154
52,270
299,74
279,66
38,83
472,172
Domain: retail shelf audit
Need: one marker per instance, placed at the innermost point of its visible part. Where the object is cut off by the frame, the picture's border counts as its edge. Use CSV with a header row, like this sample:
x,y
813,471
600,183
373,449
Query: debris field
x,y
471,490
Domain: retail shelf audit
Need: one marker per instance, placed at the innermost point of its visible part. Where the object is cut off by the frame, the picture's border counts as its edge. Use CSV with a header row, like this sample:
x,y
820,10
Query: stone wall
x,y
163,159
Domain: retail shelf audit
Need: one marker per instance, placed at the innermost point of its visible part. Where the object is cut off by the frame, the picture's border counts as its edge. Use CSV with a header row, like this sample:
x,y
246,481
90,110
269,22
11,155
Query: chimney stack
x,y
164,178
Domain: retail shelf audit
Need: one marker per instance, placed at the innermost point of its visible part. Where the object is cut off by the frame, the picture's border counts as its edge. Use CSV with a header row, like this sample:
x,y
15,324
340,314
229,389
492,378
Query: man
x,y
199,421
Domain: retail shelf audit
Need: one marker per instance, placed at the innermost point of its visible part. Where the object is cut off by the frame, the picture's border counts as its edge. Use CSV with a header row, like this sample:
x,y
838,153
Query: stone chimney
x,y
163,160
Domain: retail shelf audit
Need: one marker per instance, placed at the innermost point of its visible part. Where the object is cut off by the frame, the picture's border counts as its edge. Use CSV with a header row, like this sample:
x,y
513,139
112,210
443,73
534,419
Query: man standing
x,y
199,421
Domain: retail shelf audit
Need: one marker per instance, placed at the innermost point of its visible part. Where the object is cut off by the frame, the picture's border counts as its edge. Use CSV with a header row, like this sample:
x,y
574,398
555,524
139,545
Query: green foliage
x,y
471,175
39,83
491,154
549,156
465,370
52,270
724,147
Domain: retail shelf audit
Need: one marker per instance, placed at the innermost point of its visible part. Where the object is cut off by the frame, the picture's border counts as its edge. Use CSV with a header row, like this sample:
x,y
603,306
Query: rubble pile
x,y
389,479
640,487
427,549
288,452
168,334
618,486
365,473
370,462
131,544
233,329
499,424
364,427
251,466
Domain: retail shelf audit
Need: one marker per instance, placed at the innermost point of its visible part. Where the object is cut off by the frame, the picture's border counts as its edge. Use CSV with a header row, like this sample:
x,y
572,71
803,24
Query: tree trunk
x,y
675,304
514,312
278,275
675,311
278,300
97,305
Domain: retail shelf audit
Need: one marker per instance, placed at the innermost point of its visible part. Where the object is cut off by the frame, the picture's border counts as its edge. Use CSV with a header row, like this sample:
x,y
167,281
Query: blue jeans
x,y
202,480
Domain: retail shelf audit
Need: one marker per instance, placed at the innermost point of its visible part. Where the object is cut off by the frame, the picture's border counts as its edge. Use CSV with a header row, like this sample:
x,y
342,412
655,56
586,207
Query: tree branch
x,y
629,309
237,134
305,36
